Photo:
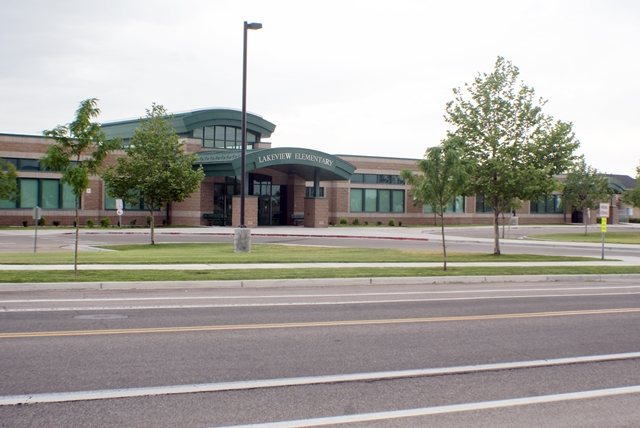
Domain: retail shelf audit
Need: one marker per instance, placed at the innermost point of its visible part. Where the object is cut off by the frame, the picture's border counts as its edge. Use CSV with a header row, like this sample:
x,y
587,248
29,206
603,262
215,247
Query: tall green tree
x,y
516,148
444,175
632,197
80,150
155,168
8,181
583,189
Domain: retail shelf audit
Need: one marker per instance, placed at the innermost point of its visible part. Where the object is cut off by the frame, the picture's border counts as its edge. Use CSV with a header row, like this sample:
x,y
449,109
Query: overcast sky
x,y
344,77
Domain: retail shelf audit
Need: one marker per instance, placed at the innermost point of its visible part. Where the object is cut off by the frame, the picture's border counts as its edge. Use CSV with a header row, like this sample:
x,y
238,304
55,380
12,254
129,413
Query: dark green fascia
x,y
186,122
199,119
305,163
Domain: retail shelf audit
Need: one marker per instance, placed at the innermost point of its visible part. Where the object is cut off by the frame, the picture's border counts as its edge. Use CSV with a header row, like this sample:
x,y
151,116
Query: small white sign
x,y
37,213
119,211
119,204
603,211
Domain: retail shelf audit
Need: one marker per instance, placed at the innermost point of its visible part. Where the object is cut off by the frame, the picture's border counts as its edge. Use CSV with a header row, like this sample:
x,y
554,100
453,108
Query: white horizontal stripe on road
x,y
346,302
426,411
390,293
59,397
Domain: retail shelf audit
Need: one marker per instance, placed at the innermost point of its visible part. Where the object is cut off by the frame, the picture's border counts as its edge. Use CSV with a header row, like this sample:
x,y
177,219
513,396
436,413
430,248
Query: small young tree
x,y
8,181
516,148
632,197
444,175
155,168
79,153
584,188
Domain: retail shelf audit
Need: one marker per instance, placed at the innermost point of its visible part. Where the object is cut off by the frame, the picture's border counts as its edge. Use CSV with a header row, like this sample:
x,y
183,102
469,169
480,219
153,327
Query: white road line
x,y
275,304
391,293
426,411
59,397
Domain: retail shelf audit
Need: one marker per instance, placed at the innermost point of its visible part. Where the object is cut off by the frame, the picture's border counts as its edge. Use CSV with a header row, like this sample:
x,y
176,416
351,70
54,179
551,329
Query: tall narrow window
x,y
50,194
28,192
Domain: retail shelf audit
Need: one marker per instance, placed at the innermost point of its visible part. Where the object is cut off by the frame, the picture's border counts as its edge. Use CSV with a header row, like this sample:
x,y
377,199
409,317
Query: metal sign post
x,y
603,212
119,211
603,229
37,215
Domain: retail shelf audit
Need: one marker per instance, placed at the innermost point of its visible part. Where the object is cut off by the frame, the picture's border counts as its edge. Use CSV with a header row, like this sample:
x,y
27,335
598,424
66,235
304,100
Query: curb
x,y
310,282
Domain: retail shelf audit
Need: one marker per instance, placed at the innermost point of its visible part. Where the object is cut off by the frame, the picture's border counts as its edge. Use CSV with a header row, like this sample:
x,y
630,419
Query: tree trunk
x,y
151,224
496,231
584,220
75,255
444,247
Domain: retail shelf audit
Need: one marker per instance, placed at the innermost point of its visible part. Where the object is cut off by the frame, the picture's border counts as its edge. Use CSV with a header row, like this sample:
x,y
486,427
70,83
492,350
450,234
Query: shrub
x,y
25,223
56,223
392,222
42,221
133,222
366,223
400,223
356,221
343,220
634,220
91,223
105,222
378,223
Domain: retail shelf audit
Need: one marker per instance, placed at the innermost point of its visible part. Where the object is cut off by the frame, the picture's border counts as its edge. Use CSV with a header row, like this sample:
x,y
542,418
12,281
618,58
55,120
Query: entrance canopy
x,y
305,163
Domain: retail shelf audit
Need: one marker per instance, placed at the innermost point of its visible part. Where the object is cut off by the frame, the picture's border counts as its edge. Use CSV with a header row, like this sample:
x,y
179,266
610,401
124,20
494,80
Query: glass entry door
x,y
272,207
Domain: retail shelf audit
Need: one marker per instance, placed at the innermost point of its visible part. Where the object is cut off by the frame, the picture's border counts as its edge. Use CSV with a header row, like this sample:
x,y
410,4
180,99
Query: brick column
x,y
316,212
250,211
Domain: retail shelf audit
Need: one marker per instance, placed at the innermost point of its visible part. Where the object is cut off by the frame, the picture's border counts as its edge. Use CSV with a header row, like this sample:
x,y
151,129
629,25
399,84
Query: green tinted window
x,y
384,201
5,203
68,198
50,194
370,196
28,193
355,200
398,201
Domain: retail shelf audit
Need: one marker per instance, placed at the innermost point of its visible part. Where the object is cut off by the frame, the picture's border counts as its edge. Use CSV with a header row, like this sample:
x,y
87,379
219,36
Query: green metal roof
x,y
185,122
289,160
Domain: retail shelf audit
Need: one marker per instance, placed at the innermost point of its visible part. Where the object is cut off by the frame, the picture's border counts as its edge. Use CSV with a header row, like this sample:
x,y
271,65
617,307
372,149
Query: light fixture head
x,y
253,26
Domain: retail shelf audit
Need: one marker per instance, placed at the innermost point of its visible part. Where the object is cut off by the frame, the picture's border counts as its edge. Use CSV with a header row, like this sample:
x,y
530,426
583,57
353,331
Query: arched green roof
x,y
302,162
188,121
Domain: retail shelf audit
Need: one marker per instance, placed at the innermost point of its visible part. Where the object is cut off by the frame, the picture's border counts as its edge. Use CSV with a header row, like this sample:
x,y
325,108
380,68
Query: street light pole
x,y
244,184
242,237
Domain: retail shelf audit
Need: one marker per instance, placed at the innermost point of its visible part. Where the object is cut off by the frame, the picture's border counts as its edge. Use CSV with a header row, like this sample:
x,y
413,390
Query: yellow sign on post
x,y
603,225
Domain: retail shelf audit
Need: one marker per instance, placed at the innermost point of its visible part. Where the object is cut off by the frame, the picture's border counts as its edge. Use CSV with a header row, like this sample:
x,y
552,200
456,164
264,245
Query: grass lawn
x,y
250,274
208,253
222,253
595,237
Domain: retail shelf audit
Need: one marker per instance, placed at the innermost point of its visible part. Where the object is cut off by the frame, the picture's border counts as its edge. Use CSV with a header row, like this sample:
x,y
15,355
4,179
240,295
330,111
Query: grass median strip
x,y
222,253
593,237
302,273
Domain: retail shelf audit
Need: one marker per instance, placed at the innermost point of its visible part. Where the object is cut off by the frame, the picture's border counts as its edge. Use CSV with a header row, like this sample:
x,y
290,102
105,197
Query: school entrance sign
x,y
303,162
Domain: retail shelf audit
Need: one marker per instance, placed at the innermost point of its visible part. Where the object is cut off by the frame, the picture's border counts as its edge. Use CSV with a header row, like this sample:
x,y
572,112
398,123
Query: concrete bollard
x,y
242,240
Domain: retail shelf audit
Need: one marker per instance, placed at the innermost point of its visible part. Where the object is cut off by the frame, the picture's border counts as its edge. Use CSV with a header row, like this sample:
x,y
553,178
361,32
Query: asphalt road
x,y
231,346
